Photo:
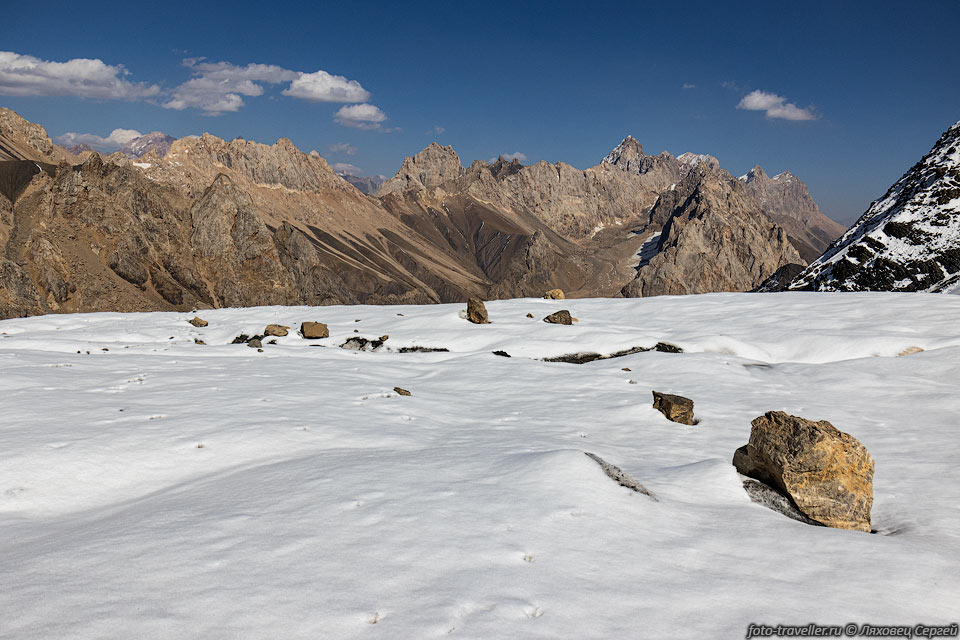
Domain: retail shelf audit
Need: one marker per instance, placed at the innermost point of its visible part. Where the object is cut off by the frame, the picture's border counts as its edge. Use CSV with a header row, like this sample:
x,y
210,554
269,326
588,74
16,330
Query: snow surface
x,y
152,487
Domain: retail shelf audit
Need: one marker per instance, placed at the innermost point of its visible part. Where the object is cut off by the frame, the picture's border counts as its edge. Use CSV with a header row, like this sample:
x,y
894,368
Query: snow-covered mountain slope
x,y
152,487
909,240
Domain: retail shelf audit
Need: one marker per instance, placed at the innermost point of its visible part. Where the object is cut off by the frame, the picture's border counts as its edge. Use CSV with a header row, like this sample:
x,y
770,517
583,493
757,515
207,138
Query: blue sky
x,y
847,95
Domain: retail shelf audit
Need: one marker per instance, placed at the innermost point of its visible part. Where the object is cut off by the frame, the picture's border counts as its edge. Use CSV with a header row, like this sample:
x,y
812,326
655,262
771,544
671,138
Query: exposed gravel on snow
x,y
158,488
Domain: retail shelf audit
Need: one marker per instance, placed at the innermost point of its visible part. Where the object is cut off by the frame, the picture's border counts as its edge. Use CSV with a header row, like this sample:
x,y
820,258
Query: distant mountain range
x,y
199,221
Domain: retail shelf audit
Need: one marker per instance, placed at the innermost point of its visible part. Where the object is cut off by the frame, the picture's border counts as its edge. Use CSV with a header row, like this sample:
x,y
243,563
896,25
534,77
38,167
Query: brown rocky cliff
x,y
714,238
786,200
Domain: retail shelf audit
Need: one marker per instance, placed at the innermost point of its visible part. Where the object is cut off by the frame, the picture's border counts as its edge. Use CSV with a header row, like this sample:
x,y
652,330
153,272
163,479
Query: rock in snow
x,y
477,311
826,473
314,330
675,408
560,317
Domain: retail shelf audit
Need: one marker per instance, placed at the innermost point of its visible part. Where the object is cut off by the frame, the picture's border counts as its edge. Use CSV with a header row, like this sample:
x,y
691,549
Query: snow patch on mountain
x,y
908,240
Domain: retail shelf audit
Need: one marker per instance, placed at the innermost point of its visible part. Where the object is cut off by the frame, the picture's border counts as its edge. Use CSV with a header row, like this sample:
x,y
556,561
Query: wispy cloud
x,y
360,116
516,155
217,87
774,106
435,131
343,147
687,85
346,167
22,75
116,139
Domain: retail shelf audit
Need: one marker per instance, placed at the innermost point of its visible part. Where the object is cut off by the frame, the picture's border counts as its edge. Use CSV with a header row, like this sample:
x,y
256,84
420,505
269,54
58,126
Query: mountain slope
x,y
786,201
909,240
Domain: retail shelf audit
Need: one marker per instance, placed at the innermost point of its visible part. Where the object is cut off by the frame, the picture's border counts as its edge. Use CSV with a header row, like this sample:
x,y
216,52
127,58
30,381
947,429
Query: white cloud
x,y
346,167
436,130
22,75
360,116
321,86
217,87
343,147
516,155
687,85
116,139
775,106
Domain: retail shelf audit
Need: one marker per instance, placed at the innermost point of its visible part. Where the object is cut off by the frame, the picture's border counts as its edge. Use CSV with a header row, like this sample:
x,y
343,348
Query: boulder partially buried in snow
x,y
560,317
826,473
314,330
477,311
675,408
554,294
277,330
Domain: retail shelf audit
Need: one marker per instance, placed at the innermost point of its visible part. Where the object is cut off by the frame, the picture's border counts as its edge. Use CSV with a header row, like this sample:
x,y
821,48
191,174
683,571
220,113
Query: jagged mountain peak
x,y
432,166
625,153
909,240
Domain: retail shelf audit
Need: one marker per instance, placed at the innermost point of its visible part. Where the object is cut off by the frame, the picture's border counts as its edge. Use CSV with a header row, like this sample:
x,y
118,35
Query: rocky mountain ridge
x,y
211,223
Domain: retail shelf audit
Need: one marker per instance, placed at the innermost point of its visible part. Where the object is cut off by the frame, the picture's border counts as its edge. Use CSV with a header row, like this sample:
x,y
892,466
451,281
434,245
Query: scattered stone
x,y
583,357
105,349
675,408
477,311
399,314
384,337
356,330
278,330
357,343
272,342
416,349
625,369
195,341
198,322
666,347
560,317
554,294
401,391
826,473
314,330
529,315
909,351
255,343
621,477
358,319
501,353
241,339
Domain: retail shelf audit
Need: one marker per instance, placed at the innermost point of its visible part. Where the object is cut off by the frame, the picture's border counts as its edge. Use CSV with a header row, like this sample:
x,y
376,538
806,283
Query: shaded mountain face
x,y
786,201
211,223
369,185
909,240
